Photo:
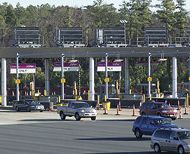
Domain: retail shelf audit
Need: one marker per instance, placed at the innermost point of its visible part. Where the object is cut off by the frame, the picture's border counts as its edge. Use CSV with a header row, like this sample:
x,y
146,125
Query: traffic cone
x,y
180,114
117,110
134,111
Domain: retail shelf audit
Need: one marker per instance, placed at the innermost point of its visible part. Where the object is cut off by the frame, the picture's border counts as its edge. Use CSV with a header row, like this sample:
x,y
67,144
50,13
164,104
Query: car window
x,y
184,135
162,121
35,103
162,134
81,105
157,106
165,105
173,135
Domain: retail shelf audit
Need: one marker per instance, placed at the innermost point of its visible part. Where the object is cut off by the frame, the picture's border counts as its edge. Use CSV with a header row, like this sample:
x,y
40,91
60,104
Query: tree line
x,y
137,13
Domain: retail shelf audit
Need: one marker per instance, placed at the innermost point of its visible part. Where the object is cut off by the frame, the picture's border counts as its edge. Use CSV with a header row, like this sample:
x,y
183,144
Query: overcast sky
x,y
74,3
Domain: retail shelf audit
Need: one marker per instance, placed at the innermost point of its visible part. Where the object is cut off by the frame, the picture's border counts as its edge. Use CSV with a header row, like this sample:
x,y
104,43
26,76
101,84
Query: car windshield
x,y
162,121
184,135
165,106
34,103
81,105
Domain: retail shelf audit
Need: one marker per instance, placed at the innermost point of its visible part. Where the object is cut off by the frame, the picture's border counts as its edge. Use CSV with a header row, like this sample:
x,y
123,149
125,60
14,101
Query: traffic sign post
x,y
17,81
106,79
149,79
63,80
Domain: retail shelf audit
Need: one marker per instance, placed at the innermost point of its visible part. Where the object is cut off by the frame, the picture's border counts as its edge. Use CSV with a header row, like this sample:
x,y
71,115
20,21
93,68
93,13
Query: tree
x,y
20,15
167,17
181,16
102,15
138,16
10,17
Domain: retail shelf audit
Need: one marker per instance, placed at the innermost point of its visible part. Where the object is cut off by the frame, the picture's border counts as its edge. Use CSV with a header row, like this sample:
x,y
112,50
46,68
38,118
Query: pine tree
x,y
167,17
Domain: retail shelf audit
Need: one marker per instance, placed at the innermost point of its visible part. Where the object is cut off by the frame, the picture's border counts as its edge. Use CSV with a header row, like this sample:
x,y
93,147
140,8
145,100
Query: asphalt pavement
x,y
45,133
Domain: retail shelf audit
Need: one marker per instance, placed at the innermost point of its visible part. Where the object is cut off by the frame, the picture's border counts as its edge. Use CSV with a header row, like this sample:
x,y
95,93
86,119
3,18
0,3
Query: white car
x,y
78,110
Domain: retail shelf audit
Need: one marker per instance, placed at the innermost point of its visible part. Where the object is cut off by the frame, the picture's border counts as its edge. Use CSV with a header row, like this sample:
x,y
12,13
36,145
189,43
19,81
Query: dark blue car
x,y
146,125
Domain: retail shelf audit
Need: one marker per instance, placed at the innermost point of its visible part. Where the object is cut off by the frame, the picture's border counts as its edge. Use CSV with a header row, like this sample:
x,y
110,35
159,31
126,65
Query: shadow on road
x,y
116,119
116,139
40,120
145,152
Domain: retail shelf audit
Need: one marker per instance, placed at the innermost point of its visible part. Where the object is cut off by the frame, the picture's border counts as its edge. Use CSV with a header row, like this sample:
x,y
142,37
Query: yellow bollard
x,y
105,98
59,99
45,93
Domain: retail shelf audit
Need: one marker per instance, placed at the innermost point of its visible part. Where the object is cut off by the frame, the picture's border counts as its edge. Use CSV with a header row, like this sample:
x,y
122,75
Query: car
x,y
23,105
171,140
146,125
78,109
158,108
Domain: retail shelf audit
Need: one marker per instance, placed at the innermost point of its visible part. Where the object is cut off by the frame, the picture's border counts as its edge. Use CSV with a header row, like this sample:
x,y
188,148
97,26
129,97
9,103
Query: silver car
x,y
171,139
77,109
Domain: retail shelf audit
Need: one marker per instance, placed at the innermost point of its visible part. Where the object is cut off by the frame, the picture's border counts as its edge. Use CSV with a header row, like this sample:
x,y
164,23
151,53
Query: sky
x,y
73,3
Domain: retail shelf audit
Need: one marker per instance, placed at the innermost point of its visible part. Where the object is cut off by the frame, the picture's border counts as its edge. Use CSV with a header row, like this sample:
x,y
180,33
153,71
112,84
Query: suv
x,y
171,139
158,108
146,125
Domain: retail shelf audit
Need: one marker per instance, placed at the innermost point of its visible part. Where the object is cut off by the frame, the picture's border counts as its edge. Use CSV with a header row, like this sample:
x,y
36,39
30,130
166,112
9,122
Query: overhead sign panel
x,y
68,66
112,66
23,68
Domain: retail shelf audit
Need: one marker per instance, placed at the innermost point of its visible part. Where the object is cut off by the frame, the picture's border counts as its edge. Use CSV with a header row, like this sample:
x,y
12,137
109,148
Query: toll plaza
x,y
104,53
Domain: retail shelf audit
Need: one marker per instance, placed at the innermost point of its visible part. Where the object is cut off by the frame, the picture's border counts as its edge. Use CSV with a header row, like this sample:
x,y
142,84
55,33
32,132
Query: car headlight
x,y
82,110
175,110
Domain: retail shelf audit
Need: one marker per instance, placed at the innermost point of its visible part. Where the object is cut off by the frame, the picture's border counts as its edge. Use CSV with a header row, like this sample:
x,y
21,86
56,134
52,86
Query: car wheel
x,y
143,113
138,133
28,109
181,150
173,118
77,117
93,118
63,116
157,148
17,109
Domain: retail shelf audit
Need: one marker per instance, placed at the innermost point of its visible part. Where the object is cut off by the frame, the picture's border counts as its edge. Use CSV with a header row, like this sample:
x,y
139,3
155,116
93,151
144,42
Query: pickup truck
x,y
77,109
